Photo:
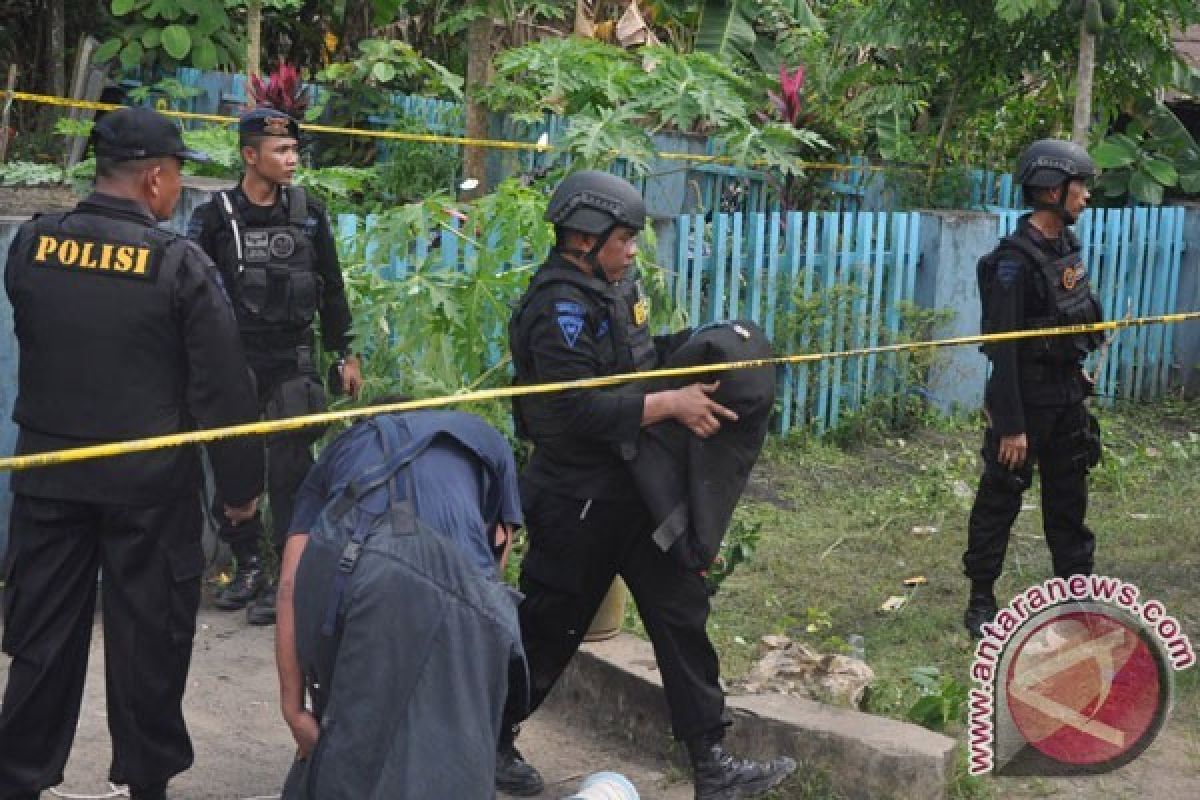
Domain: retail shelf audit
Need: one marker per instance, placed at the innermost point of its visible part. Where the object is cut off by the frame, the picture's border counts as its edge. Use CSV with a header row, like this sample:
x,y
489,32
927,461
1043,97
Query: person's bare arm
x,y
303,725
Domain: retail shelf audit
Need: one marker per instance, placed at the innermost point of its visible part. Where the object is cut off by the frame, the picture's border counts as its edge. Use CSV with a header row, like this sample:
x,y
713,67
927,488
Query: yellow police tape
x,y
433,138
296,423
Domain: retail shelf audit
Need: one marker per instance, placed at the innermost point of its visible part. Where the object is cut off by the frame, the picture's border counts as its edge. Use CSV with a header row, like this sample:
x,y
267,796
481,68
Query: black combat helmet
x,y
1049,163
595,202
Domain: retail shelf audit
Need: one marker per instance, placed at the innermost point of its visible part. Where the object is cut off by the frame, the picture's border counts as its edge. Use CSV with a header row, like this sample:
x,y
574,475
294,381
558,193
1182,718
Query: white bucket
x,y
605,786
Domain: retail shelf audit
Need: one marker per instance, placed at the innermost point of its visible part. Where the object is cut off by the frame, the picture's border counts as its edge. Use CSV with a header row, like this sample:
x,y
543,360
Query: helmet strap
x,y
593,256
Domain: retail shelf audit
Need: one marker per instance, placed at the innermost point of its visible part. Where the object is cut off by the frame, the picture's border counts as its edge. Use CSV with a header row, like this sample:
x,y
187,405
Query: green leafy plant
x,y
738,546
28,173
168,88
943,699
170,33
1154,153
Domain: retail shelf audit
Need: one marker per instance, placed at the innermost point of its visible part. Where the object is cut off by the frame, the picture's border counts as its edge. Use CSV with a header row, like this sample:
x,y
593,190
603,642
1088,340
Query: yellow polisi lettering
x,y
124,259
68,252
85,258
143,258
98,257
47,246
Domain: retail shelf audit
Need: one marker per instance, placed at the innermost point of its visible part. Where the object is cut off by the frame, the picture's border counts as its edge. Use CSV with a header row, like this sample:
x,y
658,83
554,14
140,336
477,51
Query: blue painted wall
x,y
951,244
1187,334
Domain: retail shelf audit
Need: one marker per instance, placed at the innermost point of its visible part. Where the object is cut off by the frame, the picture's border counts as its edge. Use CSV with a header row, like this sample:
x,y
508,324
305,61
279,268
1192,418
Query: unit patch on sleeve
x,y
570,318
95,257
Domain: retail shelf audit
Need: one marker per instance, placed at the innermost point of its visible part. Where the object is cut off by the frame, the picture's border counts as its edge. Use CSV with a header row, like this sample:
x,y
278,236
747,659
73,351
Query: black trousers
x,y
576,549
1058,446
151,560
285,389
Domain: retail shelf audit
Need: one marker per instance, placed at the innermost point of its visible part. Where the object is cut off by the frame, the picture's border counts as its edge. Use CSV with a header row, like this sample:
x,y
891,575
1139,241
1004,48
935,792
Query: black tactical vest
x,y
95,314
1067,293
622,307
276,281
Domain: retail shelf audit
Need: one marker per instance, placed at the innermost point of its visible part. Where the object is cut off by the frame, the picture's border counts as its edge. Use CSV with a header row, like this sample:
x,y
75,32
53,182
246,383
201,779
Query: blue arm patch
x,y
1007,271
571,325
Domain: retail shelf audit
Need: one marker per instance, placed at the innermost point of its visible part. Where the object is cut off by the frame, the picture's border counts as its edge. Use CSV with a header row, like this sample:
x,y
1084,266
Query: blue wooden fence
x,y
816,282
1133,257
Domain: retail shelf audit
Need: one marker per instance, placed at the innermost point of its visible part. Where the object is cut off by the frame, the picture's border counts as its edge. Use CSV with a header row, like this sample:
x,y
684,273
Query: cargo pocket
x,y
275,308
185,560
294,397
252,290
302,305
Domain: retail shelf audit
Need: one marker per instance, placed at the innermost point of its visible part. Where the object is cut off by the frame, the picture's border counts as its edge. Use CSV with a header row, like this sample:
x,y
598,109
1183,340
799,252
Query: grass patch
x,y
837,540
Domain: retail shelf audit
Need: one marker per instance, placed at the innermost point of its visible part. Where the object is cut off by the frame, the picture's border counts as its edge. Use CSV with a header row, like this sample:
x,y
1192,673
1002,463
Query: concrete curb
x,y
615,686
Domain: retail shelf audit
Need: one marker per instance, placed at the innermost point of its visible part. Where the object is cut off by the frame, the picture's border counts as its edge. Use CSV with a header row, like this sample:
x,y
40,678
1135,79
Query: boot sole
x,y
753,788
522,791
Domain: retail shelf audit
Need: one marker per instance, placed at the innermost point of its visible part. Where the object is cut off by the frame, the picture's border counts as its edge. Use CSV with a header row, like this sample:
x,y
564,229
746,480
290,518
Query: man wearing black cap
x,y
274,246
124,332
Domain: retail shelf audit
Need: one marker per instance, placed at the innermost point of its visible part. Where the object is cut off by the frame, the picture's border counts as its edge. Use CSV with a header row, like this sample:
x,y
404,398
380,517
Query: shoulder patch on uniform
x,y
568,307
570,323
1007,270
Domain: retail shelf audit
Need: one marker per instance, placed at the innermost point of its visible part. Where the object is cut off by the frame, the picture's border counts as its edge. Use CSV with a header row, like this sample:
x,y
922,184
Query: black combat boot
x,y
262,610
515,775
247,584
981,609
721,776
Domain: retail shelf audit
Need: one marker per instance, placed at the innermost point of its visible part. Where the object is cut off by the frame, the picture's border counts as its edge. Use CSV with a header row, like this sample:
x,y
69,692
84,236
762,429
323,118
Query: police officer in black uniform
x,y
124,332
274,246
1034,398
585,315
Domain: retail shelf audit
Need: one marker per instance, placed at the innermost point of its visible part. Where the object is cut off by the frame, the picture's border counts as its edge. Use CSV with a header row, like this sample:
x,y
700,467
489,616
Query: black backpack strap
x,y
399,451
227,207
297,200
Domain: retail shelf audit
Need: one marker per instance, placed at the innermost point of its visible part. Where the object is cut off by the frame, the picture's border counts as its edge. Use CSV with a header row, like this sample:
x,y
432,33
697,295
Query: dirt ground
x,y
243,748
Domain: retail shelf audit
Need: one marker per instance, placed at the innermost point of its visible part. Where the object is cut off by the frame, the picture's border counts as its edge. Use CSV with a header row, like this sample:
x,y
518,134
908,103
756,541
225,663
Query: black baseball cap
x,y
132,133
266,121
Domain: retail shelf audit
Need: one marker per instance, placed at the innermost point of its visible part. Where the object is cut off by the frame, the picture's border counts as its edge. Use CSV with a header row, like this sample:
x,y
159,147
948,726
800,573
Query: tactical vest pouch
x,y
1071,294
277,282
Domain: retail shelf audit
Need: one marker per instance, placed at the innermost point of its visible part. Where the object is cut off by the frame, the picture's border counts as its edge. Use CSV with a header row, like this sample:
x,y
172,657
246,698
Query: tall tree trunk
x,y
56,45
940,146
254,37
1083,83
54,55
479,59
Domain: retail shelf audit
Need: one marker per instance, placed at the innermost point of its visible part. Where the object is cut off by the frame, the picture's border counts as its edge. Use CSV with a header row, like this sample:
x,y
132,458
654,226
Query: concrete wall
x,y
951,244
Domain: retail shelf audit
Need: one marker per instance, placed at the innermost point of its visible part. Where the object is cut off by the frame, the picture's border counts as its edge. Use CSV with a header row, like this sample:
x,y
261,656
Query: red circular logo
x,y
1085,688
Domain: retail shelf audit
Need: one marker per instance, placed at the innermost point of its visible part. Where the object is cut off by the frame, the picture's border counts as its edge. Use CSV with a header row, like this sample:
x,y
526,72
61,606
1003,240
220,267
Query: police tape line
x,y
435,138
15,463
